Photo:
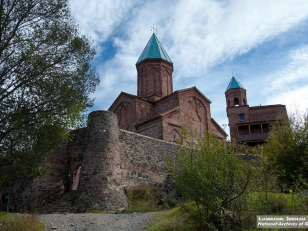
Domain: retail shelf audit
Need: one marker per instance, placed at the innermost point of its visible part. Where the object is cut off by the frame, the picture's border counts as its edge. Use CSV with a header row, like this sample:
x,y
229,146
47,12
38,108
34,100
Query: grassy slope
x,y
16,222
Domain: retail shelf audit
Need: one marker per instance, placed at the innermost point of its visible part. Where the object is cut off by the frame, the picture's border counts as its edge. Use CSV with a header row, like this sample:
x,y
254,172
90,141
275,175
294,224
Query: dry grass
x,y
18,222
145,199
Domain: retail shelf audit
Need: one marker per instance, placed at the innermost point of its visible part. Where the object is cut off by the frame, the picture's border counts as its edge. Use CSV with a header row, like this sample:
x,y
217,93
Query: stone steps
x,y
60,204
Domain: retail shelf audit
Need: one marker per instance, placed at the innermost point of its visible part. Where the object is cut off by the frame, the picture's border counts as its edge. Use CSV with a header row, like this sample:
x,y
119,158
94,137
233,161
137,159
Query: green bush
x,y
214,179
286,152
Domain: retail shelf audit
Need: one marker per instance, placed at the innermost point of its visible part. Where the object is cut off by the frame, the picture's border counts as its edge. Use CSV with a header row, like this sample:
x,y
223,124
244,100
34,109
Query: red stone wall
x,y
162,71
253,115
125,109
144,111
152,129
165,104
238,93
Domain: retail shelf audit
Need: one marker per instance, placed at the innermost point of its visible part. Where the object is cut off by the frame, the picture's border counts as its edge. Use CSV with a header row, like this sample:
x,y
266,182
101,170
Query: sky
x,y
263,43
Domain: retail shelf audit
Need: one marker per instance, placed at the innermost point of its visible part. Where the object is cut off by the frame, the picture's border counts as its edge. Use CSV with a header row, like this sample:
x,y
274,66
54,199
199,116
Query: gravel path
x,y
97,222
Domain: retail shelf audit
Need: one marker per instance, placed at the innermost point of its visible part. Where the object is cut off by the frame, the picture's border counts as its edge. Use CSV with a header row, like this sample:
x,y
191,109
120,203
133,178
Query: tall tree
x,y
45,82
286,150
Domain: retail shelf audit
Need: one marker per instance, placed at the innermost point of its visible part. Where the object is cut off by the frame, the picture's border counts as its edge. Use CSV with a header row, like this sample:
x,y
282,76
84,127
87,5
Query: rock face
x,y
97,164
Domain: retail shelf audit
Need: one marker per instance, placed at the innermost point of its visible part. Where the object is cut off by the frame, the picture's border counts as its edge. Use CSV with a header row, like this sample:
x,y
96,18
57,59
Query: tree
x,y
286,151
212,180
45,82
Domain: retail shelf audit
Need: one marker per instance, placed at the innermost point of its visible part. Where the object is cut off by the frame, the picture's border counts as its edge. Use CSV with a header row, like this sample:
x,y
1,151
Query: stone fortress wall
x,y
99,162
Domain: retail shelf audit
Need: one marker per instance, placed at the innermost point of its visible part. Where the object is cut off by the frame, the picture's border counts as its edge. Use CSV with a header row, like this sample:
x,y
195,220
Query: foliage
x,y
173,219
145,199
279,204
214,179
11,222
45,82
286,152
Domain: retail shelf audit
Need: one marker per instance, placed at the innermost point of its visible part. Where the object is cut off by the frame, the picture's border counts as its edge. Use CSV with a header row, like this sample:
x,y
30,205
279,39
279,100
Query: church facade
x,y
157,111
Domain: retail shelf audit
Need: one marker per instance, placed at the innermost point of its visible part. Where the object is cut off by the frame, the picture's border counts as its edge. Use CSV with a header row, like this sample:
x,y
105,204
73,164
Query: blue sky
x,y
263,42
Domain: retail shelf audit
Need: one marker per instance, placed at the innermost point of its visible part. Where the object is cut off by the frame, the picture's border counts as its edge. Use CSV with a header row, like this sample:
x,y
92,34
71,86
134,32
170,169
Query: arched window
x,y
236,102
142,86
166,84
154,82
244,101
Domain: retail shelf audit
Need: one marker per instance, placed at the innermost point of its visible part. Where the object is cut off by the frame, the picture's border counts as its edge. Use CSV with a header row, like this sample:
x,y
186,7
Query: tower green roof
x,y
234,83
154,50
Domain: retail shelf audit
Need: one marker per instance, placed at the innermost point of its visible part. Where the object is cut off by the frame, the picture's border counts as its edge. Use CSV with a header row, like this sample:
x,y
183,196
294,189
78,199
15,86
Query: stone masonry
x,y
109,159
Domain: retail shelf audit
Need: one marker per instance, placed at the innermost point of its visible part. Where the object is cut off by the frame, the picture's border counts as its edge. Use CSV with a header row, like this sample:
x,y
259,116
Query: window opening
x,y
241,117
142,86
236,102
167,85
174,134
154,84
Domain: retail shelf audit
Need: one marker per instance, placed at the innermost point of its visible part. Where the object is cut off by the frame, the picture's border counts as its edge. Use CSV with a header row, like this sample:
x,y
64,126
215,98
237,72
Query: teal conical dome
x,y
154,50
234,83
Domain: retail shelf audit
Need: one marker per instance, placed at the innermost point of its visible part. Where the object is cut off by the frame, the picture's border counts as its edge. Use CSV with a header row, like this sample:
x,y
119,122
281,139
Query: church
x,y
157,111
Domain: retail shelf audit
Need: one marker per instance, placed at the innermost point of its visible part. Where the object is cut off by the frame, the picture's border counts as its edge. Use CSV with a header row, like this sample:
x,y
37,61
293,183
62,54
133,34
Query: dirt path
x,y
97,222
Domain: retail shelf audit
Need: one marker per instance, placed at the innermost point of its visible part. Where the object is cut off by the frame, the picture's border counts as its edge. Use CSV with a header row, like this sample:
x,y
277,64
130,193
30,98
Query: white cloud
x,y
290,85
198,35
98,19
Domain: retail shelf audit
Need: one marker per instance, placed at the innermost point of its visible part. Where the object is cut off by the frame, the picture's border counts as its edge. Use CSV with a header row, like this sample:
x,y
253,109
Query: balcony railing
x,y
250,137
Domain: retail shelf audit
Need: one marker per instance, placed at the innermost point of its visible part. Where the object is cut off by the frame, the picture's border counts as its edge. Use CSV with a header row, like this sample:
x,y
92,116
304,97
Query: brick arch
x,y
74,176
124,115
176,135
142,84
197,112
166,83
153,82
236,102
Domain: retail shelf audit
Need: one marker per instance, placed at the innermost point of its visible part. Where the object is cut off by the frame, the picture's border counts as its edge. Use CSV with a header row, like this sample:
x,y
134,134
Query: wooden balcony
x,y
253,137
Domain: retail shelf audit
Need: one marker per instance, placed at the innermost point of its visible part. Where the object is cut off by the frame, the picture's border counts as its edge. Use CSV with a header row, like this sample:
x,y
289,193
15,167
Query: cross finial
x,y
153,29
232,74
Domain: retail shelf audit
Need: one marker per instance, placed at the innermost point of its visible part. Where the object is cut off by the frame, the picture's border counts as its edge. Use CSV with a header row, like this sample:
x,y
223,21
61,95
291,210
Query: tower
x,y
154,71
237,108
249,125
235,94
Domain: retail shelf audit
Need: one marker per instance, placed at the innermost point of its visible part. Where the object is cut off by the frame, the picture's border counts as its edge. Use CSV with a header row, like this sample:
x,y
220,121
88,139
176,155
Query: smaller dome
x,y
234,83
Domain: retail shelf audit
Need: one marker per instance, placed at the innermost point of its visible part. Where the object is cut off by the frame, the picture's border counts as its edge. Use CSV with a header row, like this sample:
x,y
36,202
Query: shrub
x,y
214,179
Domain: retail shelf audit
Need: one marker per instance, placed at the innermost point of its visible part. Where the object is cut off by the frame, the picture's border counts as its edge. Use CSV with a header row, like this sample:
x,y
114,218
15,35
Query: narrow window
x,y
229,104
200,130
167,85
142,86
241,117
154,84
174,134
236,103
244,102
